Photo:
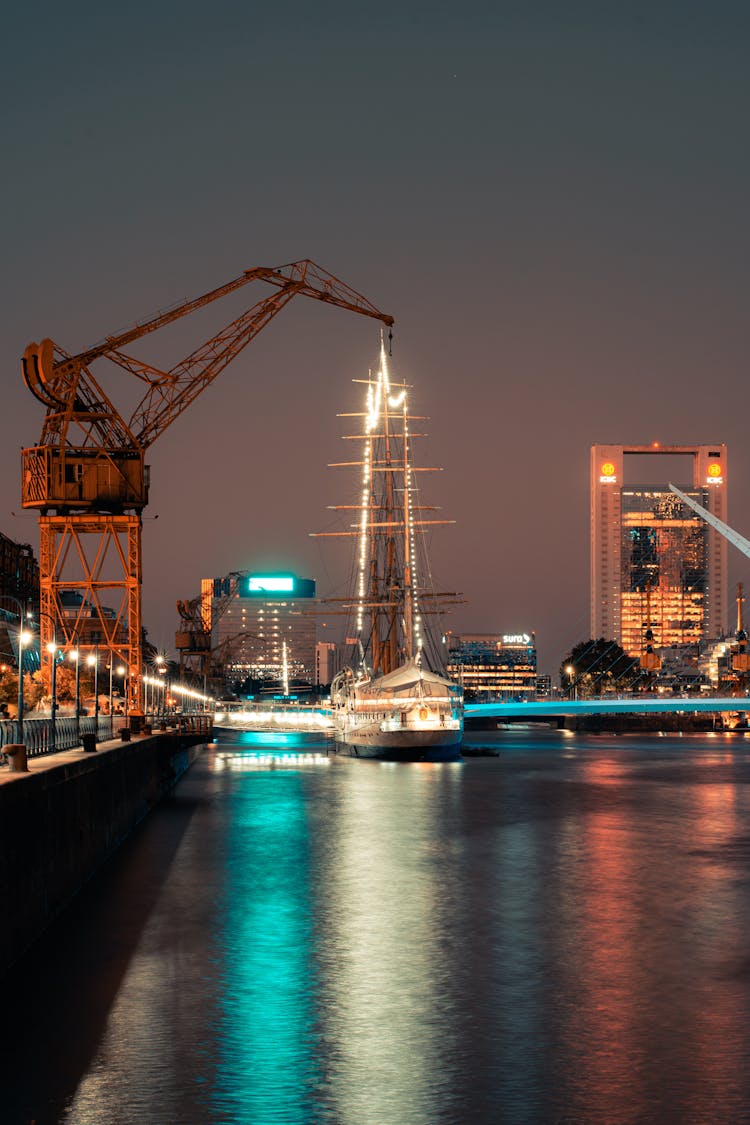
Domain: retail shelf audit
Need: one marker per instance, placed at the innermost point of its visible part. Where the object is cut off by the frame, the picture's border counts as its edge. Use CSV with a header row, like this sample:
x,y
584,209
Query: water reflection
x,y
266,1066
647,1031
387,1008
555,934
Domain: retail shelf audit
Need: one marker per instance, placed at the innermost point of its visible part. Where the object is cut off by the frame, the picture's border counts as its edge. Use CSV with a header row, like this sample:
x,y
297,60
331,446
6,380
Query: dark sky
x,y
550,198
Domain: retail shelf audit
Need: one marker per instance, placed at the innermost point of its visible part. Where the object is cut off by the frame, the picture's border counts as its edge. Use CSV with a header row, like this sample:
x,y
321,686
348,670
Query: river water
x,y
560,933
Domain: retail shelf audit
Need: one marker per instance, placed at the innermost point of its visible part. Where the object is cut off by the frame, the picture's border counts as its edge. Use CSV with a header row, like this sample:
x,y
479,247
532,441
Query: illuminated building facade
x,y
493,666
265,612
19,574
653,559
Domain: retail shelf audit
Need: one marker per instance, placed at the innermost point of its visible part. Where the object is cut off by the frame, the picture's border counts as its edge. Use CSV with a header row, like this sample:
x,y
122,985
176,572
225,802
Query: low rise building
x,y
493,666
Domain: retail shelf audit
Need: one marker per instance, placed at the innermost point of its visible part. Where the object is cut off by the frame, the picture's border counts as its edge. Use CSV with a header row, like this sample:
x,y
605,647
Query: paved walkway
x,y
50,761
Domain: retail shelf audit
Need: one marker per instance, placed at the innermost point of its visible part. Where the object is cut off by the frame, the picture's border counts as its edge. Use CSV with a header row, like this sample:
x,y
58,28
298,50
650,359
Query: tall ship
x,y
393,700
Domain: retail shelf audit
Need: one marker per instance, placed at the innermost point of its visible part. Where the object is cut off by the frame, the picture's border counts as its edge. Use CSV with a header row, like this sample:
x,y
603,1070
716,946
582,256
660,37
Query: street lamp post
x,y
52,650
572,689
162,670
121,671
74,654
111,716
93,662
23,639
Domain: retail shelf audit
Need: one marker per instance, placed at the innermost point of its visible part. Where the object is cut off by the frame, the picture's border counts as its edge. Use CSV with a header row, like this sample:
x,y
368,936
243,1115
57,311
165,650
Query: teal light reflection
x,y
278,739
265,1070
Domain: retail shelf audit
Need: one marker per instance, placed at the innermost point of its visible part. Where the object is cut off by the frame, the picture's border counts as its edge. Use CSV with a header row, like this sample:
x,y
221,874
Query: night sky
x,y
550,198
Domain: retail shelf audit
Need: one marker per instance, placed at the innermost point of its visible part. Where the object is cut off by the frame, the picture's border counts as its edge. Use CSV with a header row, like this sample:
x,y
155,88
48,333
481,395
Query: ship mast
x,y
408,547
390,646
388,590
388,595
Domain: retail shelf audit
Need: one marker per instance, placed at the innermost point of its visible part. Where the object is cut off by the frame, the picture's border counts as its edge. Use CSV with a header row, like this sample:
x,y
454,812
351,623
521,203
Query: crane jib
x,y
87,476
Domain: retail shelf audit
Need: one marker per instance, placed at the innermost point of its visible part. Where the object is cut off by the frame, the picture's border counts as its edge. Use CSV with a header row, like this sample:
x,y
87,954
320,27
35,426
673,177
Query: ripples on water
x,y
560,933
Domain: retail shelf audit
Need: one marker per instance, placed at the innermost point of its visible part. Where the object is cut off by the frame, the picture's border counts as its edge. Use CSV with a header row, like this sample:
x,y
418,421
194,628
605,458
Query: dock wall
x,y
58,825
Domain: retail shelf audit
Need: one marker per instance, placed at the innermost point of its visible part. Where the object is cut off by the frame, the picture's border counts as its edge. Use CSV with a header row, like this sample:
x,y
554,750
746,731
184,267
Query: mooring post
x,y
16,752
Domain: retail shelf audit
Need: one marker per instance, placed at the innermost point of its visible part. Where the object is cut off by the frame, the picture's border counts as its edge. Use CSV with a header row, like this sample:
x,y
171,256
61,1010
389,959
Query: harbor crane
x,y
87,476
198,616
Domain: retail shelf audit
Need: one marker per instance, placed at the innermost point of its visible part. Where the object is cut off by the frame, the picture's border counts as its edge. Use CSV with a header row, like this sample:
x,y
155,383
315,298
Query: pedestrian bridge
x,y
554,708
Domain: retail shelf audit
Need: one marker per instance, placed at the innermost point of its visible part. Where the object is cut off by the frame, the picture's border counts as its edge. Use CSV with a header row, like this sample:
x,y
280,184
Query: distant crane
x,y
87,477
199,615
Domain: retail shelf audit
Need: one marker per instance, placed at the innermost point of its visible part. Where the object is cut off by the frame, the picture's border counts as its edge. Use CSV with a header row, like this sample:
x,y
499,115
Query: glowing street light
x,y
74,655
93,662
162,670
23,639
121,671
52,650
570,672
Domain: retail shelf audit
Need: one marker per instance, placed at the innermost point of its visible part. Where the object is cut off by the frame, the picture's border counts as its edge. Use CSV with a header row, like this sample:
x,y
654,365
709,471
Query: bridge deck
x,y
607,706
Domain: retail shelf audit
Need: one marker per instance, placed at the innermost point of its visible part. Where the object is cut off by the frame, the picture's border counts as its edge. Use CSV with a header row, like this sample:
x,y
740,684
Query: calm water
x,y
558,934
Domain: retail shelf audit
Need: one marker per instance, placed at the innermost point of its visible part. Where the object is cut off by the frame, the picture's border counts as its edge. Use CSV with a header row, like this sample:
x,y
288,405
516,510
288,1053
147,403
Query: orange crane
x,y
199,615
88,478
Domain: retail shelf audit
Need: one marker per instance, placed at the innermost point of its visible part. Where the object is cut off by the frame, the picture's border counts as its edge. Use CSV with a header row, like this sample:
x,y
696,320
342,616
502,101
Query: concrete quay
x,y
64,817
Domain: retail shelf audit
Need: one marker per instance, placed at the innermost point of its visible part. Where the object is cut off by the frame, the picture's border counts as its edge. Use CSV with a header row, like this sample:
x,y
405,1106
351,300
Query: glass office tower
x,y
654,562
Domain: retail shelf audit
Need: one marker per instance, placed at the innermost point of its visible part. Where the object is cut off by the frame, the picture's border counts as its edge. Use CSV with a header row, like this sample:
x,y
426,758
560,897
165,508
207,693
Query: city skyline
x,y
550,203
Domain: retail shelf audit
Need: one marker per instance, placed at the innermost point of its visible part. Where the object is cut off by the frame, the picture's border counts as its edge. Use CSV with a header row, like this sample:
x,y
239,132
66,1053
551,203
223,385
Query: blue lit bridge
x,y
541,710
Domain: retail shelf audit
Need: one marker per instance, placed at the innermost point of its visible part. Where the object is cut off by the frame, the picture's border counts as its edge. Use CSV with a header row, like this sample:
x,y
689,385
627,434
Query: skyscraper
x,y
652,559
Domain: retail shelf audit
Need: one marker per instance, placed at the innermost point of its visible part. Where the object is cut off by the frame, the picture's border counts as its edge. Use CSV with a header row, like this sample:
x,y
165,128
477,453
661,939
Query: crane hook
x,y
390,342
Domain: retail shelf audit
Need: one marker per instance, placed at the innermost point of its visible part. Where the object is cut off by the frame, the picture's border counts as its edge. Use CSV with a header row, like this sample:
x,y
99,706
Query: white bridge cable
x,y
739,541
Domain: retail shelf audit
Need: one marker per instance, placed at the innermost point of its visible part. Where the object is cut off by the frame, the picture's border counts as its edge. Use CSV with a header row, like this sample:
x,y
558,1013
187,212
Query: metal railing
x,y
37,733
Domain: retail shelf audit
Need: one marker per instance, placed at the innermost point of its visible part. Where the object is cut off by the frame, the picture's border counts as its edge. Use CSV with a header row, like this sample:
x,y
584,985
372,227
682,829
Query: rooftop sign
x,y
270,583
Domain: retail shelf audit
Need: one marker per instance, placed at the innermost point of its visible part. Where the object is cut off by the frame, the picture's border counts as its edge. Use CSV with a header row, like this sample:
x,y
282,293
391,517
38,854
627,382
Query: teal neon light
x,y
275,584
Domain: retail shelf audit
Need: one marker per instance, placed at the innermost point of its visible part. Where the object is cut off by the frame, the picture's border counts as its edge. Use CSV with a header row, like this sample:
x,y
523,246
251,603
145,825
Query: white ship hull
x,y
407,715
409,746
